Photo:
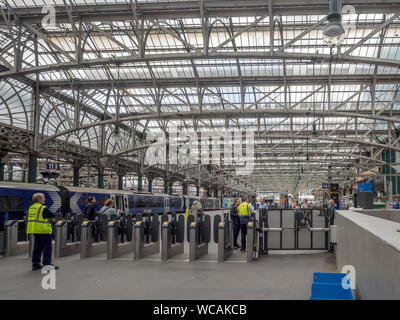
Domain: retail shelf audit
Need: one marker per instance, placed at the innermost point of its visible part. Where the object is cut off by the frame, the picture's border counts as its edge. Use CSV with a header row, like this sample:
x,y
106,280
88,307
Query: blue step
x,y
328,286
324,277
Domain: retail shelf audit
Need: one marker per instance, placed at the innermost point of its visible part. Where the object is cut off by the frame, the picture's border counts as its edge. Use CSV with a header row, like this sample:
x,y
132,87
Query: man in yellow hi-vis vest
x,y
40,226
245,210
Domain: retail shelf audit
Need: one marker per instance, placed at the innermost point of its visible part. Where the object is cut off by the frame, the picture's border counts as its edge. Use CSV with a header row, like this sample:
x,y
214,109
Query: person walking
x,y
235,222
40,227
90,209
245,211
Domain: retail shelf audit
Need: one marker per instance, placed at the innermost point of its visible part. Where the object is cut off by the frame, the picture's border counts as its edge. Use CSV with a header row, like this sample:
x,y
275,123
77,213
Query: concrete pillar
x,y
140,183
120,181
32,168
149,185
100,178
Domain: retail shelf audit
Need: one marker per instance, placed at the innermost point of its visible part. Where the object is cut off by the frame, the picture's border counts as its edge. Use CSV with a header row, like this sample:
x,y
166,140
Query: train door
x,y
126,204
119,202
166,205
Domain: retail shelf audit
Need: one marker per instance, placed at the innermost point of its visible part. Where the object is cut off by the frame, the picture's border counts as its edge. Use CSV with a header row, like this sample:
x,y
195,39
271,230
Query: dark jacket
x,y
90,211
235,215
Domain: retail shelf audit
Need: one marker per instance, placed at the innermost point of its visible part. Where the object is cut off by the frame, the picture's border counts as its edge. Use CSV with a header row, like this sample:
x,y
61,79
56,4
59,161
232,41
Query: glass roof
x,y
173,66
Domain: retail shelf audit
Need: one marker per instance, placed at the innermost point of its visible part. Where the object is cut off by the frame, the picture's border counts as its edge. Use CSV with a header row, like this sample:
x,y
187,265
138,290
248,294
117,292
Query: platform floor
x,y
277,276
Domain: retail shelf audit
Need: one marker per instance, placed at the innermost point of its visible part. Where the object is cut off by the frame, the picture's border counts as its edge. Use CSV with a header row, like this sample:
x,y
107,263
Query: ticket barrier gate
x,y
93,240
252,241
146,236
223,236
13,247
303,222
172,236
122,228
68,230
198,236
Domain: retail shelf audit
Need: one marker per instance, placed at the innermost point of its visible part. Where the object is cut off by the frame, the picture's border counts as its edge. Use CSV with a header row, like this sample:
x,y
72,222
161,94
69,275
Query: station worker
x,y
245,211
108,209
90,209
235,222
40,226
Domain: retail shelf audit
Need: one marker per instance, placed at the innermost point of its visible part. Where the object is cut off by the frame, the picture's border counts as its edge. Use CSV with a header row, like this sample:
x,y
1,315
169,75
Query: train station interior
x,y
161,149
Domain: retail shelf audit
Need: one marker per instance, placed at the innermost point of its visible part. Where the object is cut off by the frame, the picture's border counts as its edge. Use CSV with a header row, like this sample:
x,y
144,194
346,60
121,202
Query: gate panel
x,y
274,221
288,233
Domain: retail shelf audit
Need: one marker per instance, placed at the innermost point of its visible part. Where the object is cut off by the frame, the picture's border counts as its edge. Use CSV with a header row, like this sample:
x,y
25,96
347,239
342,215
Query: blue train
x,y
15,199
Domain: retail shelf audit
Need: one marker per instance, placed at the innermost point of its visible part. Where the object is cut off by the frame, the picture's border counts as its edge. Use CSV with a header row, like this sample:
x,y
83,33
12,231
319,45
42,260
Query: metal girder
x,y
85,63
190,9
221,82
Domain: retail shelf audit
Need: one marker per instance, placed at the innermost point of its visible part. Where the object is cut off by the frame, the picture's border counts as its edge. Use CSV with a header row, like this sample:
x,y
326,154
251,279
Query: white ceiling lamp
x,y
334,32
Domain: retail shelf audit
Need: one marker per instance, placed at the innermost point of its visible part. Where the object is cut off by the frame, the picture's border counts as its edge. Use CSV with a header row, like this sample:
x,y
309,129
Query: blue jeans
x,y
42,244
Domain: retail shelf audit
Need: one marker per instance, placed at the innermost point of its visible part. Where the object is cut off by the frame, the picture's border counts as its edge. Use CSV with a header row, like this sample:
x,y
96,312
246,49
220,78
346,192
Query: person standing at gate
x,y
108,209
90,209
245,212
40,227
235,222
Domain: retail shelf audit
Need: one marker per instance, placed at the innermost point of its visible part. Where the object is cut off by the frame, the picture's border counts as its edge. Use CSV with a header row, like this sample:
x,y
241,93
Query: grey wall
x,y
371,245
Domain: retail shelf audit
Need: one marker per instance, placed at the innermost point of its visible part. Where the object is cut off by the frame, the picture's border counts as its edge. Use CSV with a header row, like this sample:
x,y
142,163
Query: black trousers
x,y
236,230
42,244
243,229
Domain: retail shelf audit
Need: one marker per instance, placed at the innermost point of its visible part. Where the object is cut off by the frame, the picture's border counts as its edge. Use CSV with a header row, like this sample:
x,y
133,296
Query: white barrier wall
x,y
372,246
388,214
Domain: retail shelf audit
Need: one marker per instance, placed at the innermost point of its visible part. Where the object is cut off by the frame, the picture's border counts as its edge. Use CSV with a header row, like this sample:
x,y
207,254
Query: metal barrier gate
x,y
295,229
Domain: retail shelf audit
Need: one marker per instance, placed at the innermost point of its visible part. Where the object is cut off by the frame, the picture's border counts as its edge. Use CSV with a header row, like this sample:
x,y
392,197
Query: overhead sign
x,y
325,186
51,166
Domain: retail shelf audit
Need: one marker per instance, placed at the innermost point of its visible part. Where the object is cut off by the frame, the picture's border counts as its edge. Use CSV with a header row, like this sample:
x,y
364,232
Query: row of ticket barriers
x,y
144,235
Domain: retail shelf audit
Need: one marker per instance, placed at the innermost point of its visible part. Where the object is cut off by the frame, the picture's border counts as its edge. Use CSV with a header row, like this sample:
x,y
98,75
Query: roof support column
x,y
100,178
32,168
140,183
2,155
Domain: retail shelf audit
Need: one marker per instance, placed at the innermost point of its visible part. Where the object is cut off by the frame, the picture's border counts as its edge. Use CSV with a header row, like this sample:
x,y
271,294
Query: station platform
x,y
276,276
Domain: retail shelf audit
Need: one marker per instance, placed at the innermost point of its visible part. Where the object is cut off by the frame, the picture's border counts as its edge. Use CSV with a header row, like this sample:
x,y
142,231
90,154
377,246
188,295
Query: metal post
x,y
165,186
120,182
76,176
32,169
149,185
140,183
100,178
1,168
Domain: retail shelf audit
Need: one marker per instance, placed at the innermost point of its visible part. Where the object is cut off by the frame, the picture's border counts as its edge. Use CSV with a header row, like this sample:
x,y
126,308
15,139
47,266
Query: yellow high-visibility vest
x,y
36,223
244,209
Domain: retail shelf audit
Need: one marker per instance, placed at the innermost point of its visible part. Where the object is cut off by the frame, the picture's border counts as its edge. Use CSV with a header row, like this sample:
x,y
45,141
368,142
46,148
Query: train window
x,y
102,201
131,203
152,203
11,203
140,203
160,203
